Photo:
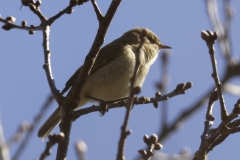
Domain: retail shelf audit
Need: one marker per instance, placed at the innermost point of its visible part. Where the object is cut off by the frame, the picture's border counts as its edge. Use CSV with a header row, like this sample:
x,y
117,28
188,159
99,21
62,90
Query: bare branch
x,y
36,120
152,144
67,10
137,101
23,127
4,148
162,85
72,98
223,29
214,137
210,39
130,102
232,70
212,99
47,65
36,10
53,139
12,26
97,11
218,135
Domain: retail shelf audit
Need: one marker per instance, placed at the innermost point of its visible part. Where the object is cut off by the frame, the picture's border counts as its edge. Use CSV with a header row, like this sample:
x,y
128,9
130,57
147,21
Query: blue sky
x,y
178,24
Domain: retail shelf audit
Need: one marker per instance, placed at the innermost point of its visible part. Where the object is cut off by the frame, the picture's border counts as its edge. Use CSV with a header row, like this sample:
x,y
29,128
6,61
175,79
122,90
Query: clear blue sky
x,y
178,24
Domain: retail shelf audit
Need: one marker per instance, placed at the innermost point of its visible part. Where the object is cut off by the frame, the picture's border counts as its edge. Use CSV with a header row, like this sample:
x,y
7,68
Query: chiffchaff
x,y
112,71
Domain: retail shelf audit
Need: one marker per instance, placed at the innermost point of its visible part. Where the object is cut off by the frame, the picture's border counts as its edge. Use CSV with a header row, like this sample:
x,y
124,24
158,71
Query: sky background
x,y
24,87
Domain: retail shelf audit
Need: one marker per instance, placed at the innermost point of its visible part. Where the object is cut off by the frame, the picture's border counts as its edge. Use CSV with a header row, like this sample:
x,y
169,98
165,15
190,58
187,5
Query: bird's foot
x,y
104,104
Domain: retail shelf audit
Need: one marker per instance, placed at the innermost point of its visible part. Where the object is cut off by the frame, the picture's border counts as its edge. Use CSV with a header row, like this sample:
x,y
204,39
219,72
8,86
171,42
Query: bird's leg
x,y
104,103
116,100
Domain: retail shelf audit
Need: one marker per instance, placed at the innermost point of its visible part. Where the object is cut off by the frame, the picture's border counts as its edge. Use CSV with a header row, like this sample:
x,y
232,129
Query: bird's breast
x,y
112,81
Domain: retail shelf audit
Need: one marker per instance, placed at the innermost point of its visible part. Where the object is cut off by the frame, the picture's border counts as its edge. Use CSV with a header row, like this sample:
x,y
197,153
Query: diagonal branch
x,y
130,102
97,10
223,29
210,39
35,122
72,99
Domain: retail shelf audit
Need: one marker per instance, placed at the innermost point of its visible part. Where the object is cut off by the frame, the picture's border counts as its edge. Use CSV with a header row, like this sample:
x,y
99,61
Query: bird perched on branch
x,y
111,73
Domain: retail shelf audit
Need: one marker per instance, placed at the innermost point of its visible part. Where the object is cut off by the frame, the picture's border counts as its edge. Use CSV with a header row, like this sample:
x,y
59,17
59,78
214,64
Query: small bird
x,y
111,73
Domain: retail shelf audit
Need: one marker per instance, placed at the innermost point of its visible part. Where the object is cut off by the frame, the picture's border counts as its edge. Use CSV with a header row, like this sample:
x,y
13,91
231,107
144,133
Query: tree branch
x,y
210,39
130,102
97,10
137,101
35,122
72,98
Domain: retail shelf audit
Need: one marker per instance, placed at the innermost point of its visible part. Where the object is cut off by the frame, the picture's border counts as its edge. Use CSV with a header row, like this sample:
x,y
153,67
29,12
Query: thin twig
x,y
163,87
97,11
67,10
209,118
12,26
137,101
152,144
58,15
218,135
212,99
53,139
17,136
47,63
36,121
4,149
230,72
223,29
72,100
210,39
130,102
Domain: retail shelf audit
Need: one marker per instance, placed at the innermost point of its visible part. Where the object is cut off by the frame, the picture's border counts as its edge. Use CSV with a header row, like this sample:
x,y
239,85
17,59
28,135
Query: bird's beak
x,y
164,47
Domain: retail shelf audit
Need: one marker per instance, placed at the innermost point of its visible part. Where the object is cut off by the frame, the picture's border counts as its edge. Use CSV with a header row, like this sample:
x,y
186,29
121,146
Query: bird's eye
x,y
151,40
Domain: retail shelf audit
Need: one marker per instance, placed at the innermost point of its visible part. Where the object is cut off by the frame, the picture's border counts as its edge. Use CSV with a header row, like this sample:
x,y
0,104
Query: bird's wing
x,y
106,55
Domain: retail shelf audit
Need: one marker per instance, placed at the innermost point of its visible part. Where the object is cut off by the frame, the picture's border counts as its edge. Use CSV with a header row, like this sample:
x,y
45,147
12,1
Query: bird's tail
x,y
50,123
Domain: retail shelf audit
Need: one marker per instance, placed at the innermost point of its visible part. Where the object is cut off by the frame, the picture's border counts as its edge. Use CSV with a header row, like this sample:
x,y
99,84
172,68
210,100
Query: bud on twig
x,y
158,146
31,32
32,26
157,94
69,11
25,2
6,27
204,35
155,104
32,7
153,139
180,87
188,85
146,139
11,19
142,152
209,36
38,3
24,23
